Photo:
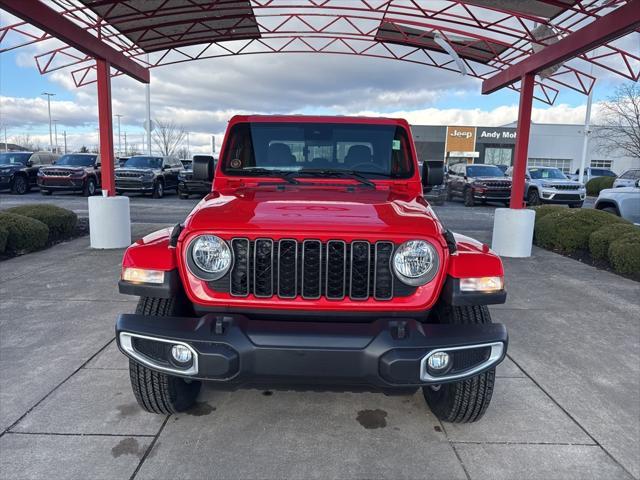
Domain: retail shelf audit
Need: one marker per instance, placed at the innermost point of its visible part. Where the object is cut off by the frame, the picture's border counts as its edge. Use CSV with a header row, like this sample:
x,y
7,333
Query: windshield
x,y
546,173
13,158
76,160
603,172
144,162
484,171
373,151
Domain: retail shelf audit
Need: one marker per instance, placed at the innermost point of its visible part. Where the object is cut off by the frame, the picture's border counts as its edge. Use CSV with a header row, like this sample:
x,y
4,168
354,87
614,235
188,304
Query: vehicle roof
x,y
318,119
19,151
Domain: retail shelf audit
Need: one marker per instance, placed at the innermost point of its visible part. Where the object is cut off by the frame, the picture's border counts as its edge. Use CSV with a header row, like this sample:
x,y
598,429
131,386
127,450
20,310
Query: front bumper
x,y
193,187
134,185
234,351
562,196
489,194
61,183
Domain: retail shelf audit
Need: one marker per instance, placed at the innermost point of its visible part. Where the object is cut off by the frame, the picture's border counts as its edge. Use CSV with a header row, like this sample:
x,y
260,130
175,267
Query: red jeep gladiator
x,y
315,263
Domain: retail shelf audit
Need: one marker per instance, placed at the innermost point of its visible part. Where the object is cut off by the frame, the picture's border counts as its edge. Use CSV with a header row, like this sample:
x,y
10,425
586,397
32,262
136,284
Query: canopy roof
x,y
488,36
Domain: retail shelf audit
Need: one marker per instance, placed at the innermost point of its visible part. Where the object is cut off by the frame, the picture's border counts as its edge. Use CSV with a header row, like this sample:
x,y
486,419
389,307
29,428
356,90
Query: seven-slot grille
x,y
566,187
57,173
311,269
129,174
497,184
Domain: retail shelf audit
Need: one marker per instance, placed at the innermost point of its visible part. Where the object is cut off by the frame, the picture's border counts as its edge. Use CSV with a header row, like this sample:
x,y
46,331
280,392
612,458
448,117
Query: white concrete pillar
x,y
109,222
513,232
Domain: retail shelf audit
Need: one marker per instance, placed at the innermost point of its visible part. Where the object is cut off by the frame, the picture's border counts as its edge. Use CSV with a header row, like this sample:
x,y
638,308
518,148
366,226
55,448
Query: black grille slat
x,y
240,274
287,268
336,269
360,270
263,268
383,278
311,268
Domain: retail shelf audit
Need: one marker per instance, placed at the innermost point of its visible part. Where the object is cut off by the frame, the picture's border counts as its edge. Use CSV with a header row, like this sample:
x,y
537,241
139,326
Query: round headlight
x,y
415,262
211,256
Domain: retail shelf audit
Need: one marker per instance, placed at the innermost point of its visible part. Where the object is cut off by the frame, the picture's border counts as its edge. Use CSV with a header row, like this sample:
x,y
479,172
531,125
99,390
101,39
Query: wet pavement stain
x,y
200,409
127,446
267,393
371,419
128,409
437,428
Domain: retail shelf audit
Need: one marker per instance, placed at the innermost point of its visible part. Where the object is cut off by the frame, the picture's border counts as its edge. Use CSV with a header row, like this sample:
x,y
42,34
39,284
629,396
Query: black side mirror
x,y
432,174
203,168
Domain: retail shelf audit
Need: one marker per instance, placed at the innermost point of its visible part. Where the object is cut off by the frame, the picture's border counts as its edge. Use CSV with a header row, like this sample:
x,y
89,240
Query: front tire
x,y
465,401
469,201
158,189
533,198
89,188
159,392
19,186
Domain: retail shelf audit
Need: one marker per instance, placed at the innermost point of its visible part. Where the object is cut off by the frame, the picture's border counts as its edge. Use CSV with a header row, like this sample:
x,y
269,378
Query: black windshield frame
x,y
378,151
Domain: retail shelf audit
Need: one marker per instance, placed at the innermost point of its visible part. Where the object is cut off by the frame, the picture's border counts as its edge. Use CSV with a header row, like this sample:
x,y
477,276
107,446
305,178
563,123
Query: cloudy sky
x,y
203,95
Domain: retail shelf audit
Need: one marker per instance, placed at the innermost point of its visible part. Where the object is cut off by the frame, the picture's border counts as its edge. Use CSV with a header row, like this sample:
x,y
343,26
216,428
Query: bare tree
x,y
619,121
183,152
27,142
167,136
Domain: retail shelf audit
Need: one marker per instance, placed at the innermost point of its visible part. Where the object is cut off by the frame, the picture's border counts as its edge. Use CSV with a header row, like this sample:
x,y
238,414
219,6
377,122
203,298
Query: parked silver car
x,y
628,178
622,201
550,185
592,172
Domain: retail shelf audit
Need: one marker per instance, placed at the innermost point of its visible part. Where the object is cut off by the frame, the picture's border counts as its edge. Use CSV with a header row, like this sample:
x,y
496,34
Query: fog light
x,y
438,361
181,354
482,284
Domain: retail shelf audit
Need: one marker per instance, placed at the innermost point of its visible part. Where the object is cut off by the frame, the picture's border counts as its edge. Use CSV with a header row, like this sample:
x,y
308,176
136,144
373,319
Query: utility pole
x,y
188,146
49,95
55,126
65,142
119,144
125,145
6,145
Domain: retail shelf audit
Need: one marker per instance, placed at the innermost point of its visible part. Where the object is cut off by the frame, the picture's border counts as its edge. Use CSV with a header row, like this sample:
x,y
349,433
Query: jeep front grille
x,y
57,173
497,184
311,269
567,187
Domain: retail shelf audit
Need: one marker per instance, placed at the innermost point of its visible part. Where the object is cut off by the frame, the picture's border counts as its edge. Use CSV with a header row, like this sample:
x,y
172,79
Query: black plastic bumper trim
x,y
168,289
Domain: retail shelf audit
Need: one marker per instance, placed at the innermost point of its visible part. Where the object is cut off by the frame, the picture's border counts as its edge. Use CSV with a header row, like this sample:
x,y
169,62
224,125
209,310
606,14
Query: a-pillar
x,y
109,218
513,227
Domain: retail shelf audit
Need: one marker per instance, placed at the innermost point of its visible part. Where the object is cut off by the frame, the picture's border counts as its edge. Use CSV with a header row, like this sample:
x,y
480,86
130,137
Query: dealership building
x,y
550,145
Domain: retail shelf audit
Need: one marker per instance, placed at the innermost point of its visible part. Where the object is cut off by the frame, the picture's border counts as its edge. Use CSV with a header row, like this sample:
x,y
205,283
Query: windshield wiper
x,y
285,175
338,174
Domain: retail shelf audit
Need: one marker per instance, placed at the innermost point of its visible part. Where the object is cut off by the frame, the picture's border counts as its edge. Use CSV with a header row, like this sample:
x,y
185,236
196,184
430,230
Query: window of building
x,y
563,164
602,164
498,156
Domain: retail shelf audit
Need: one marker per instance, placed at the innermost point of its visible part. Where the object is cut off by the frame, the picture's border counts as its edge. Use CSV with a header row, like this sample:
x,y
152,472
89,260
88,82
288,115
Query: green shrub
x,y
4,235
624,254
61,222
543,210
599,183
25,234
601,239
569,231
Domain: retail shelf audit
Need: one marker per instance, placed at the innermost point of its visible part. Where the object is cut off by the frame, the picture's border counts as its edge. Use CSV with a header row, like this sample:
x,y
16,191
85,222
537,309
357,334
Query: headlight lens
x,y
415,262
211,255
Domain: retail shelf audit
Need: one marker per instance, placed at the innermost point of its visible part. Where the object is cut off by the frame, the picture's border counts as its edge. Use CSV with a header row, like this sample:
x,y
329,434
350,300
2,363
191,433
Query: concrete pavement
x,y
566,405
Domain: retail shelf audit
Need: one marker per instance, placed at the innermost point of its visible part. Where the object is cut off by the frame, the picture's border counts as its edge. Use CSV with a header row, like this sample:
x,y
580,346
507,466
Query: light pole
x,y
55,132
188,147
49,95
119,145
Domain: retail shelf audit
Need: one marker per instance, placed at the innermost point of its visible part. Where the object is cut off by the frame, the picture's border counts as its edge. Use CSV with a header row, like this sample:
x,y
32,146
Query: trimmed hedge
x,y
4,235
599,183
61,222
601,239
543,210
24,234
568,230
624,254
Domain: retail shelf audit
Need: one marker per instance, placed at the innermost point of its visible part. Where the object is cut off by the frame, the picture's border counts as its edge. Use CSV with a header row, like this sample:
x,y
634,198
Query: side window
x,y
35,159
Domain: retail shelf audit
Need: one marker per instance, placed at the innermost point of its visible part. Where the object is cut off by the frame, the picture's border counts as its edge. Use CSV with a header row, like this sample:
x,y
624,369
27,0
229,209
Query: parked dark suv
x,y
478,182
18,170
148,174
76,172
187,185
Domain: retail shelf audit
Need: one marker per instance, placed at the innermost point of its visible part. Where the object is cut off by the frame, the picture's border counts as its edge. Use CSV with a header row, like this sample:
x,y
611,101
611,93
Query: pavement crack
x,y
150,448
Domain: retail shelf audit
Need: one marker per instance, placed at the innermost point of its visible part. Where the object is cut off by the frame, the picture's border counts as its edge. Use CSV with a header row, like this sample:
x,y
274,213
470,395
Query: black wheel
x,y
533,197
612,210
158,189
449,194
469,201
19,186
89,188
159,392
44,191
576,205
465,401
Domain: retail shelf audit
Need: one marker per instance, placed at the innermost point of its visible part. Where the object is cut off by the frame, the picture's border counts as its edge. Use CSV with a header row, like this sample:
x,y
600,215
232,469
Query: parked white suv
x,y
628,178
550,185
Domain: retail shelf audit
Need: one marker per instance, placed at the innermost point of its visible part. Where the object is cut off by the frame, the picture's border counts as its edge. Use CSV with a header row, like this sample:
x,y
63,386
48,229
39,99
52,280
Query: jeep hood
x,y
309,209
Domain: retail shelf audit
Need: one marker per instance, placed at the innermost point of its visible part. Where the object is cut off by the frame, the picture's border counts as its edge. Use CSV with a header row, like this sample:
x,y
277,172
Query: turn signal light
x,y
141,275
482,284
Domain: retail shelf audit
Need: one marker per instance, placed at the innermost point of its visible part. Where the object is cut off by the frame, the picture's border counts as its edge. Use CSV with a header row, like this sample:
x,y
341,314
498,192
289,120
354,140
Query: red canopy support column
x,y
522,140
106,126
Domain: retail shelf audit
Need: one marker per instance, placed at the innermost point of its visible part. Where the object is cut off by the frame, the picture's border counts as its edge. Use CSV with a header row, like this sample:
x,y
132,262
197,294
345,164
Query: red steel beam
x,y
106,127
522,140
623,20
53,23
